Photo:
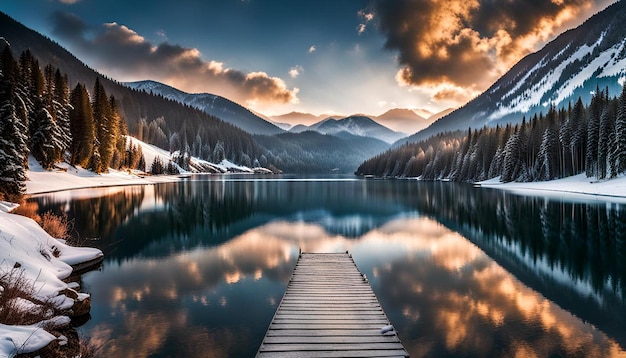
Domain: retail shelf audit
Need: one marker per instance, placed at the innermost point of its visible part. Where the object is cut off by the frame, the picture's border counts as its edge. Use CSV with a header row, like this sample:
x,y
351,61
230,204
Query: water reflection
x,y
197,268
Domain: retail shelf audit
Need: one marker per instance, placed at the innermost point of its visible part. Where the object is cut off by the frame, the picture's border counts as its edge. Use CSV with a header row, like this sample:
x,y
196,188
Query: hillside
x,y
570,66
213,105
314,153
152,118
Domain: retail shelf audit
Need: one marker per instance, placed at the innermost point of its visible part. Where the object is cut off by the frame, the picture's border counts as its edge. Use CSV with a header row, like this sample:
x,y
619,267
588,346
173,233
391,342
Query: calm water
x,y
197,268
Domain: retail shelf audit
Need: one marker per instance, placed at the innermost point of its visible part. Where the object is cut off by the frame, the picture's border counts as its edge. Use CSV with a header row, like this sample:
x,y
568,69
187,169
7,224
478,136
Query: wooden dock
x,y
329,310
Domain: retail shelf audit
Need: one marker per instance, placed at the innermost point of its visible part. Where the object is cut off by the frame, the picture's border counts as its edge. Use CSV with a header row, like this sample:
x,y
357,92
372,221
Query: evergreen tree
x,y
218,152
620,133
82,127
13,148
63,107
105,128
593,134
606,140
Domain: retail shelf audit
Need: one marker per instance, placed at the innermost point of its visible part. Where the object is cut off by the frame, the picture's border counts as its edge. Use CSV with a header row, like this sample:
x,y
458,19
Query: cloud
x,y
124,54
69,2
361,28
367,17
468,44
295,71
312,49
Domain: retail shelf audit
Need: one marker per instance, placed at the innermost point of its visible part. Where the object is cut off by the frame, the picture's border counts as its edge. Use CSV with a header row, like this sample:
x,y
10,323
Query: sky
x,y
320,57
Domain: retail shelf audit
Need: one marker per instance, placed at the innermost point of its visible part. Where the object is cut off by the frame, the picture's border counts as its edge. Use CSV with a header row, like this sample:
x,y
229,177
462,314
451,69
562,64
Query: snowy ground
x,y
26,249
66,177
578,186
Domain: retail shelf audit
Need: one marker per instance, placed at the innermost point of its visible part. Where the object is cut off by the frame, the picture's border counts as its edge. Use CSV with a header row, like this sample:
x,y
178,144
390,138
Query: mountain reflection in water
x,y
198,268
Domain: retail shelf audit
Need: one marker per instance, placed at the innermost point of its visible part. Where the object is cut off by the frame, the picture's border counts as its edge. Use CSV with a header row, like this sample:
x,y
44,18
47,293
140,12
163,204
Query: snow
x,y
26,248
587,72
67,177
531,97
22,339
574,187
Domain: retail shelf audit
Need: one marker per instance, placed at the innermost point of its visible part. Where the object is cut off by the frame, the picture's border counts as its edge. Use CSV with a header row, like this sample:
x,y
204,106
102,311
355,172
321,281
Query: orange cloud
x,y
468,44
124,54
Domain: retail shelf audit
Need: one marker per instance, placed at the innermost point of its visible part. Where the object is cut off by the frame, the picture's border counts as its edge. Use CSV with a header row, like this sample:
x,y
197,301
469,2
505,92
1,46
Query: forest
x,y
41,116
563,142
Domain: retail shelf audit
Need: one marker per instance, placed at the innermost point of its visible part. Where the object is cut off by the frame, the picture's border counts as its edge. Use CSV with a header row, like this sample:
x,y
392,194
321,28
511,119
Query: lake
x,y
197,268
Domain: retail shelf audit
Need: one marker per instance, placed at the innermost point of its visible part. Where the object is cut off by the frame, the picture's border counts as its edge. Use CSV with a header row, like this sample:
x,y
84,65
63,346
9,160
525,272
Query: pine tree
x,y
13,148
63,107
105,128
606,140
47,142
218,152
593,134
620,133
82,127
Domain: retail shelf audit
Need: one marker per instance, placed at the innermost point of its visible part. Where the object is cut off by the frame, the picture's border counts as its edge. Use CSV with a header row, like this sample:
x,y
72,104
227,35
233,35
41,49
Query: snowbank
x,y
612,189
66,177
25,248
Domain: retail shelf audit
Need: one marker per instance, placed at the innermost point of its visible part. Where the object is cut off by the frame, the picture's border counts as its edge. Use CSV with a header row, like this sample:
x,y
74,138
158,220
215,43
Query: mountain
x,y
315,153
355,125
296,118
572,65
398,119
151,118
214,105
403,120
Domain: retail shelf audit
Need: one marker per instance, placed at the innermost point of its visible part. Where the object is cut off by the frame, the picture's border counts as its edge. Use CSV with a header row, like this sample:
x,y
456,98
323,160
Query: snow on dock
x,y
330,310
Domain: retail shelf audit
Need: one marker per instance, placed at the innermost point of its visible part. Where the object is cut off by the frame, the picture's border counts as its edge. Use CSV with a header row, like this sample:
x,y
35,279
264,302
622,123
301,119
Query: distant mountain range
x,y
399,119
356,125
570,66
215,105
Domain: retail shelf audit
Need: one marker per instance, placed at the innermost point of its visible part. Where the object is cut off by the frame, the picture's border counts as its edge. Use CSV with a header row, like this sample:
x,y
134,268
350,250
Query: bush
x,y
58,226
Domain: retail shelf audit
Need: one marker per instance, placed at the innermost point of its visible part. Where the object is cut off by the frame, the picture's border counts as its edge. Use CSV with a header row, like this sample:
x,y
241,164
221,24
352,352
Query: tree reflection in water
x,y
200,266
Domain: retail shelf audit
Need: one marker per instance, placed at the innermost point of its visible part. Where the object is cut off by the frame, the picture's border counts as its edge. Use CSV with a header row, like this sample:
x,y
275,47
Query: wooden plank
x,y
329,310
291,347
325,333
330,339
335,354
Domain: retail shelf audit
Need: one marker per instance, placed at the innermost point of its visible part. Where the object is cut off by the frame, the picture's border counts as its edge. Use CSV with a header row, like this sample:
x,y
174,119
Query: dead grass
x,y
16,288
28,209
58,226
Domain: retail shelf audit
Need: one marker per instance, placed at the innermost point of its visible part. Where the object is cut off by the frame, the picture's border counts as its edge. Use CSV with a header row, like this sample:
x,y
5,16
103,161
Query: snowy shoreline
x,y
577,186
28,253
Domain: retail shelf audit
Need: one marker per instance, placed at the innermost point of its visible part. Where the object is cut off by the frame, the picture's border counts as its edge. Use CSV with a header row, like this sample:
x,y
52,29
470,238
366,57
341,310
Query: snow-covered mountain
x,y
356,125
398,119
214,105
570,66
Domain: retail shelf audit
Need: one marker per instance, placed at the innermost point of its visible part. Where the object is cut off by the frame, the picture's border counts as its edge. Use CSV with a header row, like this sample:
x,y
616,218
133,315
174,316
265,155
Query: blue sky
x,y
322,56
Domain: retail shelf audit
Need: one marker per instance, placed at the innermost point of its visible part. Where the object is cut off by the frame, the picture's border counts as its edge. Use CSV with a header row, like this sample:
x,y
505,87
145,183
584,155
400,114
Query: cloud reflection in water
x,y
445,296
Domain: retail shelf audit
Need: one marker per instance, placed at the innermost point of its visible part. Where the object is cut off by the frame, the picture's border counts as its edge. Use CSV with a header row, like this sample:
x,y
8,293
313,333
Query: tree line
x,y
39,115
564,142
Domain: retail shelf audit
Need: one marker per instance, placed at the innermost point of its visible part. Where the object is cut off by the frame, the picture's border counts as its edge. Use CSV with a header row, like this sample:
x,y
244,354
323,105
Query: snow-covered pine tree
x,y
593,134
63,107
606,140
45,144
13,148
620,133
218,152
511,164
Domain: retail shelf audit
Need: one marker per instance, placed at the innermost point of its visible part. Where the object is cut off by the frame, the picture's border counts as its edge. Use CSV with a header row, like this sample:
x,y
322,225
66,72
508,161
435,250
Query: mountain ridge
x,y
215,105
570,66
